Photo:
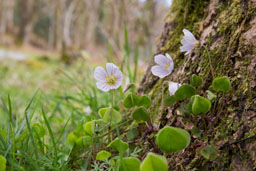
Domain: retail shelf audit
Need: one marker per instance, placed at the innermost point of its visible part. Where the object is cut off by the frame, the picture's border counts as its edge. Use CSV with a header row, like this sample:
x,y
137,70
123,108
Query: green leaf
x,y
83,142
170,100
103,155
210,95
140,114
132,133
185,91
196,132
195,80
89,127
209,152
154,162
171,139
119,145
221,84
200,105
2,163
144,101
36,127
71,139
105,115
131,100
102,111
189,105
129,164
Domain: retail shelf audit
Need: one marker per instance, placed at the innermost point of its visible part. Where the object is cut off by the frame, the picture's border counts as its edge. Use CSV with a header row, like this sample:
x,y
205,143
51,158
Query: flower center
x,y
196,43
167,65
111,79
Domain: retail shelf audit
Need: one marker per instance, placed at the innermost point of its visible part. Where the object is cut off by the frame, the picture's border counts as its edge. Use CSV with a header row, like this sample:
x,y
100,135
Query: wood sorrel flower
x,y
173,87
112,79
164,67
188,42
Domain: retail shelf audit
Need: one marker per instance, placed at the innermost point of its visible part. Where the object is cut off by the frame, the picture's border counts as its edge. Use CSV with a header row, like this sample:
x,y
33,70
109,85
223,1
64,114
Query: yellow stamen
x,y
167,65
111,79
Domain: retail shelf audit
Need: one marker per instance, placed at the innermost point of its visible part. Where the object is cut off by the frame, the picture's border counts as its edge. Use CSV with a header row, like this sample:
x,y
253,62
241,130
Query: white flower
x,y
112,79
188,42
173,87
164,67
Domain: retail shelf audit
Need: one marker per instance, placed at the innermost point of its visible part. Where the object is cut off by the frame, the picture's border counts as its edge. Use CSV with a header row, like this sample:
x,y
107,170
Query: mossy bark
x,y
227,33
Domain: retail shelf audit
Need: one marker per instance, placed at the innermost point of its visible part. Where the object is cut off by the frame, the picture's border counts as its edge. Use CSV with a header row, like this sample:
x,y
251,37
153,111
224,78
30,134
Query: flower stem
x,y
111,112
210,62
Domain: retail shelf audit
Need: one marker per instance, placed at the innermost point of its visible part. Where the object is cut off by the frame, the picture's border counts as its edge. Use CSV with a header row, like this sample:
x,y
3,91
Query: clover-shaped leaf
x,y
105,114
190,104
140,114
131,100
71,139
118,145
129,164
2,163
221,84
144,101
185,91
195,80
171,139
209,152
103,155
200,105
89,127
196,132
170,100
154,162
84,141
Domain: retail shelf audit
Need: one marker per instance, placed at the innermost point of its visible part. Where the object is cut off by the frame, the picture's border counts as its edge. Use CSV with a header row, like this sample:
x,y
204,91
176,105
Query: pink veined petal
x,y
111,68
159,71
188,35
169,58
161,59
117,84
103,86
186,48
170,68
100,74
118,74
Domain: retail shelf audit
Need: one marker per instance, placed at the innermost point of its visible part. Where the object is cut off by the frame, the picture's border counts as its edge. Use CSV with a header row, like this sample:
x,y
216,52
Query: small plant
x,y
103,155
171,139
209,152
154,162
221,84
2,163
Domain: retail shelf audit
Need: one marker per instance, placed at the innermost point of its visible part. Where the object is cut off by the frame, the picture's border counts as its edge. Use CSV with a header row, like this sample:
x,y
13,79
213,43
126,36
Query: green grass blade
x,y
50,132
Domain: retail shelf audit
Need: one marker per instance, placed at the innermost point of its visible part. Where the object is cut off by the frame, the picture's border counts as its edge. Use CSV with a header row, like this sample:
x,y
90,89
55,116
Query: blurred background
x,y
46,44
63,27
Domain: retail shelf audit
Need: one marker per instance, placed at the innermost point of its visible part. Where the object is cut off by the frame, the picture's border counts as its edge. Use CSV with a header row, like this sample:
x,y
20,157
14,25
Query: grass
x,y
43,101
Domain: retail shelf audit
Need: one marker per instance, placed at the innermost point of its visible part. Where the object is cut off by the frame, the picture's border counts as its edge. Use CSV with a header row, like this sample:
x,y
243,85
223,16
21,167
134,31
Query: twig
x,y
242,140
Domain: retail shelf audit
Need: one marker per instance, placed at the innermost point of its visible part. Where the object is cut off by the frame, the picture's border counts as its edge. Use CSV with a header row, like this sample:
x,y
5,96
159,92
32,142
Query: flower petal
x,y
117,84
161,59
188,35
111,68
173,87
100,74
159,71
103,86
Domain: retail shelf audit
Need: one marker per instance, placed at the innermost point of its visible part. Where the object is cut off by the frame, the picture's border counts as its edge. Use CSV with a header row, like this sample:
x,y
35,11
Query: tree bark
x,y
227,28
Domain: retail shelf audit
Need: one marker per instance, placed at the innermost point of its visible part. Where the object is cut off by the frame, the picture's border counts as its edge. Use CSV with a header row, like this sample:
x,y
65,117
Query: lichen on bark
x,y
227,33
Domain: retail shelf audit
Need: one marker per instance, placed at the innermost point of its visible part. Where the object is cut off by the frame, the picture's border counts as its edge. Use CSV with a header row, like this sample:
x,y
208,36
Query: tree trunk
x,y
227,28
